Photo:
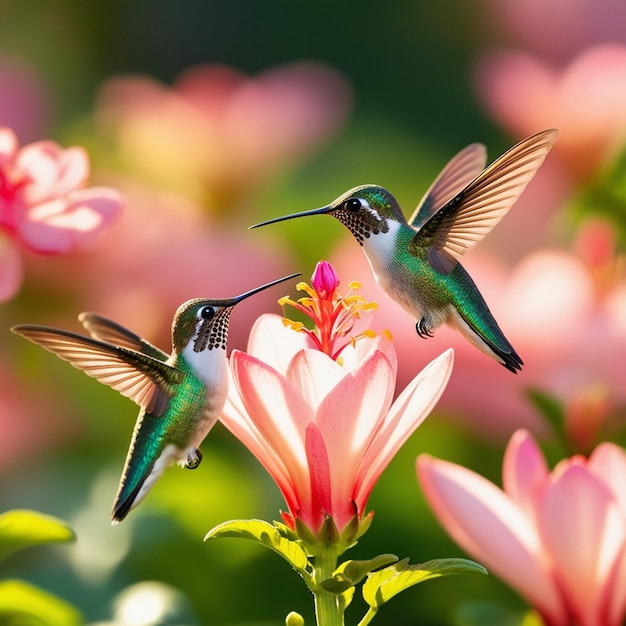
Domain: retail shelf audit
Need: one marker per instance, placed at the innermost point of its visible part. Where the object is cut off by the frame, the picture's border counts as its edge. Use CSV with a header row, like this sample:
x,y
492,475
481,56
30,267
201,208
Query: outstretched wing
x,y
147,381
108,331
463,221
461,170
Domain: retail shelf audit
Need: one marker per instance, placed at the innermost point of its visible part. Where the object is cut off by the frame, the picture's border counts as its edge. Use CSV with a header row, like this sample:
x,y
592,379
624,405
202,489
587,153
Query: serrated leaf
x,y
24,604
22,528
384,584
264,533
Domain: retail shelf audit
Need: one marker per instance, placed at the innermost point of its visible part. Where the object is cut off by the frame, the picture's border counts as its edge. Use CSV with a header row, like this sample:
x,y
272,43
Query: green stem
x,y
368,617
328,606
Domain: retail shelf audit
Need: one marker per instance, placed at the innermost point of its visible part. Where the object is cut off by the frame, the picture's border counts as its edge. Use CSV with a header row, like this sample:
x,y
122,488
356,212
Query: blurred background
x,y
212,115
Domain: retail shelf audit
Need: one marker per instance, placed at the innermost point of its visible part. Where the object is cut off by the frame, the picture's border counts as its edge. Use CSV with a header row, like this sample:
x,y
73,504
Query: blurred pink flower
x,y
585,100
216,134
565,315
31,420
558,538
325,428
164,251
557,30
43,205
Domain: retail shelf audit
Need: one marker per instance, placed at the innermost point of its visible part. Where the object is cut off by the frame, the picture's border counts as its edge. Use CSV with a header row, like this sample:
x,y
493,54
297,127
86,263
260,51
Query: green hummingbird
x,y
181,395
417,262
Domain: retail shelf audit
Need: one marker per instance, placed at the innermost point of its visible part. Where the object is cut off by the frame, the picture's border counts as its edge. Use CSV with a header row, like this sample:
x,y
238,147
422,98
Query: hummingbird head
x,y
203,323
364,210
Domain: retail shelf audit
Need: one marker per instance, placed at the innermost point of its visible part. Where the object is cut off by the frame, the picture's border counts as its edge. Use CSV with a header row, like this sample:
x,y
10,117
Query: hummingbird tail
x,y
492,343
137,481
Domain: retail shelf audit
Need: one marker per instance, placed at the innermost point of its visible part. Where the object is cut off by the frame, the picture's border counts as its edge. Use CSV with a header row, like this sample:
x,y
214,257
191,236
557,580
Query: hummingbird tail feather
x,y
136,483
497,346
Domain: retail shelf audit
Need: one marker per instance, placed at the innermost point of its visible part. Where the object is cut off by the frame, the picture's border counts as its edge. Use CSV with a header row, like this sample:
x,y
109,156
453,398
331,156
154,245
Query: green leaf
x,y
25,605
549,407
349,573
21,528
264,533
383,585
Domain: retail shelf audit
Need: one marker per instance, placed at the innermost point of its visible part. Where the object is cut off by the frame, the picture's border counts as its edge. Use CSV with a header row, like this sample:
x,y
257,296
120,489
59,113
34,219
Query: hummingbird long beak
x,y
245,295
320,211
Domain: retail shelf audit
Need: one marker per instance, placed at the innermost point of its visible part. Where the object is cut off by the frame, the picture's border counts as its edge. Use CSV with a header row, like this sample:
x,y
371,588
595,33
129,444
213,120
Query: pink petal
x,y
51,172
272,342
8,146
583,530
608,463
409,410
11,269
312,512
353,355
315,375
235,418
616,590
70,224
525,472
349,418
277,410
492,529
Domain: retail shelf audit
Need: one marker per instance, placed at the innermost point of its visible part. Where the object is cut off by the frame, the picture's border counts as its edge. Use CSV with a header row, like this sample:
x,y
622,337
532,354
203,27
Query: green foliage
x,y
386,576
550,407
22,604
606,195
267,535
22,528
383,585
350,573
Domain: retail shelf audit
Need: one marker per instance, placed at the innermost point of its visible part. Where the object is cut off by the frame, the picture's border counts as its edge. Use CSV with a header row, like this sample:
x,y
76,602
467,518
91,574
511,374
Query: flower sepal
x,y
329,536
356,528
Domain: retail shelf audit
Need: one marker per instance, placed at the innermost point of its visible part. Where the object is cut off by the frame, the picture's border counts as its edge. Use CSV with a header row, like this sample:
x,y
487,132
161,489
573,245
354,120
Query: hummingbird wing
x,y
148,382
107,330
464,220
459,172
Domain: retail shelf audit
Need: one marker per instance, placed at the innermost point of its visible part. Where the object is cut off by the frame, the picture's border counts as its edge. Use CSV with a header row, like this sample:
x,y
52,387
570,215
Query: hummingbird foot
x,y
194,459
424,328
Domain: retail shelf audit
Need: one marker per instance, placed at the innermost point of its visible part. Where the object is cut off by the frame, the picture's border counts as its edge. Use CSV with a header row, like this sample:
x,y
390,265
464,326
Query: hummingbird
x,y
181,395
417,262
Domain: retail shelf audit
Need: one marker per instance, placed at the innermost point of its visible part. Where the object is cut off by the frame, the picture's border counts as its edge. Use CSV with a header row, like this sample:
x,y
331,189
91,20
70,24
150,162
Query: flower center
x,y
336,319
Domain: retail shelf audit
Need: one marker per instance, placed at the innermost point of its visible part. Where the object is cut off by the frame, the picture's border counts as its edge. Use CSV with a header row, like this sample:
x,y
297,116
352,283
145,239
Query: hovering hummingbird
x,y
417,262
181,395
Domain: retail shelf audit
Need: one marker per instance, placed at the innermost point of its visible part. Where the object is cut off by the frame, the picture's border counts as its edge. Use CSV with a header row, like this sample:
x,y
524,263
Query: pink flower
x,y
558,538
585,100
43,205
557,30
164,251
217,134
325,428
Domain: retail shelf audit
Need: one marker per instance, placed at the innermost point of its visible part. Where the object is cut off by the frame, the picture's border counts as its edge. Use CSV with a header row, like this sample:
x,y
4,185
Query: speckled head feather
x,y
206,321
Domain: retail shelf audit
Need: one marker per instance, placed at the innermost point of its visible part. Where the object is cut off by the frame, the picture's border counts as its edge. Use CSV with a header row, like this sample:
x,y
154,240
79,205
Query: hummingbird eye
x,y
207,312
353,205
